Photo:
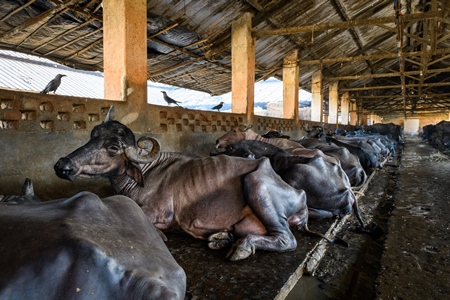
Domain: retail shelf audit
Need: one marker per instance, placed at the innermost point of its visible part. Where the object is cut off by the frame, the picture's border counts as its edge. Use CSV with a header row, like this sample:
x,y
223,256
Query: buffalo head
x,y
235,135
112,148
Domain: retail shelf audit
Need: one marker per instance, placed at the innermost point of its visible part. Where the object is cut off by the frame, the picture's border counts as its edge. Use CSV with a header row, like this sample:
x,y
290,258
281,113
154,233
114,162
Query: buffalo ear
x,y
134,171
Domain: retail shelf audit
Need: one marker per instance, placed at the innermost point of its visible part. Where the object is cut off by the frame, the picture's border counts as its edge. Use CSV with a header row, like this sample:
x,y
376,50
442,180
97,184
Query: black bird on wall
x,y
170,100
218,106
53,85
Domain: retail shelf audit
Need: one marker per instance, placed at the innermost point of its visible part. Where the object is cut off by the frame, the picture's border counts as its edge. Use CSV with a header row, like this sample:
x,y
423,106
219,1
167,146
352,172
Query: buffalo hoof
x,y
339,242
371,229
220,240
240,250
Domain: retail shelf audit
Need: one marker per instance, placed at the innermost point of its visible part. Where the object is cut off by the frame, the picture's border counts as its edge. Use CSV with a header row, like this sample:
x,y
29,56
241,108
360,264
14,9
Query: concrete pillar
x,y
333,103
353,113
359,109
290,85
243,67
363,120
125,51
316,97
344,108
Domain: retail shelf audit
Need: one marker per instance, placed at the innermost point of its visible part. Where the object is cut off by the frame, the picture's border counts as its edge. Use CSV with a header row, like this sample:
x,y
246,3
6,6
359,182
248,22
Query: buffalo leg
x,y
272,201
319,214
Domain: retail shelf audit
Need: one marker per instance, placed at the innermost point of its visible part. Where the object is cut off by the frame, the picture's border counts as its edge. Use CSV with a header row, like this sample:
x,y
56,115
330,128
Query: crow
x,y
53,84
169,100
218,106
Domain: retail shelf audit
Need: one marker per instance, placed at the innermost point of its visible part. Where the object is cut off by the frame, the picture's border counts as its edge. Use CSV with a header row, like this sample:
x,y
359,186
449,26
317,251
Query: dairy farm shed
x,y
364,61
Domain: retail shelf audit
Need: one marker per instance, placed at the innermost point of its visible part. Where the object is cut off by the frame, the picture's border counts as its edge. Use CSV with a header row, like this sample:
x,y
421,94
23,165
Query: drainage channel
x,y
351,273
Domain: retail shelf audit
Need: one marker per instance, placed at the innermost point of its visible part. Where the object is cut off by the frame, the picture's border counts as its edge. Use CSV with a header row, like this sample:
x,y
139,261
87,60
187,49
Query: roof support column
x,y
364,120
359,109
243,67
290,86
316,96
345,108
125,51
333,103
353,113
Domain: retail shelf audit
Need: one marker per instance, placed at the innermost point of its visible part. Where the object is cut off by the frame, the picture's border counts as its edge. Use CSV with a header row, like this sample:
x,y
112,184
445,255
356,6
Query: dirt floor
x,y
410,201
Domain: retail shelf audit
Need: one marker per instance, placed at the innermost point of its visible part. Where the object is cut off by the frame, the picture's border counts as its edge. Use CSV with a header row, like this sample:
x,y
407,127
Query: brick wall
x,y
36,130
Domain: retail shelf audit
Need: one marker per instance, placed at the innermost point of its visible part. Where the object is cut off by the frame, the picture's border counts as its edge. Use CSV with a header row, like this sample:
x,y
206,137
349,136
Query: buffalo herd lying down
x,y
247,197
438,135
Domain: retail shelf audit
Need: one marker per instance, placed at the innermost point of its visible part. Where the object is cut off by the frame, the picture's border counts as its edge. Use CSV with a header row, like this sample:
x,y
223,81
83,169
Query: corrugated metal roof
x,y
390,56
32,73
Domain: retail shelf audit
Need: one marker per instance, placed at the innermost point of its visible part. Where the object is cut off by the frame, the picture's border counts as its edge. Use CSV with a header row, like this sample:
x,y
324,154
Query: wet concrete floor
x,y
416,259
410,201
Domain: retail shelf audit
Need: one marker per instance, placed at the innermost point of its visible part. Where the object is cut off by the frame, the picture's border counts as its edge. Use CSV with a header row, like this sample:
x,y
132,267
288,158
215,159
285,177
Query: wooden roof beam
x,y
440,59
353,33
355,58
443,38
427,96
100,40
405,33
367,88
431,72
428,46
74,41
347,24
40,27
62,35
37,20
21,7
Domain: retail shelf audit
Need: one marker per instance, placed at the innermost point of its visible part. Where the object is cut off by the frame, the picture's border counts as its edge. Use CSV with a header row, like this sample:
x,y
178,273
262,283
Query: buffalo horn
x,y
132,151
245,127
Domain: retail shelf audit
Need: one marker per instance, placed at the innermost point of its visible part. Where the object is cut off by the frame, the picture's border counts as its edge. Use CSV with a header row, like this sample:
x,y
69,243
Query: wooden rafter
x,y
86,48
74,41
433,72
17,10
347,24
37,20
367,88
353,32
41,26
75,28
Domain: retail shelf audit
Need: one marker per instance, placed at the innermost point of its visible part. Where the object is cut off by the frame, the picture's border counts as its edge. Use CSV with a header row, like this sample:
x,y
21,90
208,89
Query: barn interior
x,y
364,62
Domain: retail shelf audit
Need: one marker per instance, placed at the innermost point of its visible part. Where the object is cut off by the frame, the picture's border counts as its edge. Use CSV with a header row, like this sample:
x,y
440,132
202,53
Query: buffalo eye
x,y
113,149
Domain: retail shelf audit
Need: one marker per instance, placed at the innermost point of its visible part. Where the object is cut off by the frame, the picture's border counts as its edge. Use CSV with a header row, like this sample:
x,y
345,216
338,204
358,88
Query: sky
x,y
32,73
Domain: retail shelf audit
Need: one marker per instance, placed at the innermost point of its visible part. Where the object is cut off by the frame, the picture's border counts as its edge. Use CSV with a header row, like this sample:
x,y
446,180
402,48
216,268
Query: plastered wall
x,y
36,130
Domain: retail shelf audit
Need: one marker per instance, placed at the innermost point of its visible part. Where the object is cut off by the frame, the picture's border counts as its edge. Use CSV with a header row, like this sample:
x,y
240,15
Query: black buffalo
x,y
84,247
368,159
350,163
212,198
328,190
